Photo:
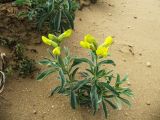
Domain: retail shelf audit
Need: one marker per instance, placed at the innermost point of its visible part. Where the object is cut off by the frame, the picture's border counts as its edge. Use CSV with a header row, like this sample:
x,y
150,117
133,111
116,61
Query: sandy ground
x,y
131,22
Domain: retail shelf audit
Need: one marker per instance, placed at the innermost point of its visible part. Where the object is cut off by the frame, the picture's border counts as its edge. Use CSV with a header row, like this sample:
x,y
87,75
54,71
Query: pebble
x,y
111,5
128,26
126,114
148,103
80,19
124,60
110,14
148,64
34,112
135,17
52,106
140,54
128,83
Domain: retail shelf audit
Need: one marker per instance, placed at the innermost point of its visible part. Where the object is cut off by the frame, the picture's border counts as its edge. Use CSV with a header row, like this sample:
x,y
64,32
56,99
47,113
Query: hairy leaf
x,y
80,84
54,90
106,62
110,88
62,78
44,74
105,109
111,104
94,98
73,100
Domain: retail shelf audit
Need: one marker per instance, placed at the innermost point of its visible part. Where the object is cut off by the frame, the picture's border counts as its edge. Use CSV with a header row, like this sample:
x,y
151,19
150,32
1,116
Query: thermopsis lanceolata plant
x,y
59,15
98,87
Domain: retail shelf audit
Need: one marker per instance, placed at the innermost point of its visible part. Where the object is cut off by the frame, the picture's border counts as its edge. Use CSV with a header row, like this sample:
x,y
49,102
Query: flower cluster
x,y
55,41
89,42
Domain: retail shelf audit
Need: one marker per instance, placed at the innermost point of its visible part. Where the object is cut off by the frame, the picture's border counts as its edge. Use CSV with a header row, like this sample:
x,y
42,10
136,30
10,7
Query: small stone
x,y
128,83
111,5
80,19
128,26
148,103
34,112
52,106
124,60
140,54
135,17
110,14
148,64
126,114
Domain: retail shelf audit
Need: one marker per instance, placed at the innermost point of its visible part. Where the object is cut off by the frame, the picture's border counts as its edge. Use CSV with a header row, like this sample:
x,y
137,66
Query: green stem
x,y
95,70
63,68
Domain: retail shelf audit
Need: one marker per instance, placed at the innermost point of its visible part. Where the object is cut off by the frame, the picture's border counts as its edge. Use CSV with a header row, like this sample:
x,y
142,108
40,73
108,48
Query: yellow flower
x,y
85,44
56,51
108,41
66,34
52,37
49,42
89,38
102,51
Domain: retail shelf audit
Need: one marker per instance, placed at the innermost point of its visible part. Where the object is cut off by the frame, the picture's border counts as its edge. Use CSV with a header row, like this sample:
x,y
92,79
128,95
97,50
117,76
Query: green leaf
x,y
44,74
118,103
74,73
90,71
56,20
94,98
101,73
106,62
51,5
119,82
127,92
84,74
45,62
124,79
125,101
93,56
54,90
62,77
110,88
61,63
70,19
111,104
80,84
73,100
105,109
85,60
41,20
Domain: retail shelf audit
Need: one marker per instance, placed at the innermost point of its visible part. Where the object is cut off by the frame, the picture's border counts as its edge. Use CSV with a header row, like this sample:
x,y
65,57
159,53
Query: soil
x,y
135,26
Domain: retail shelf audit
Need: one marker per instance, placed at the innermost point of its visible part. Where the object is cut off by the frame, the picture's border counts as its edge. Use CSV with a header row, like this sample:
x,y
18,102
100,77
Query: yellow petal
x,y
56,51
66,34
102,51
49,42
46,40
85,44
52,37
89,38
108,41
